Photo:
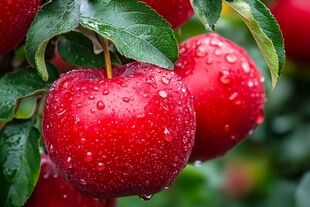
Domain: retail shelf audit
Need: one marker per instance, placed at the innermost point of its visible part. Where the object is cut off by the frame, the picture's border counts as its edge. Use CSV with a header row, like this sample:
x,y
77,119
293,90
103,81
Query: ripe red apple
x,y
129,135
53,191
61,65
15,19
228,93
293,17
176,12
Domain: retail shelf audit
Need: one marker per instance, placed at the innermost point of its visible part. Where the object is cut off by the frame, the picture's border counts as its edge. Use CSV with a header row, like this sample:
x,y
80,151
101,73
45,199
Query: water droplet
x,y
165,80
198,163
167,135
91,97
151,80
233,137
227,127
260,117
216,42
209,61
89,156
105,92
201,51
51,149
146,197
126,99
79,105
65,196
217,52
68,163
246,67
82,181
224,77
83,140
250,84
163,93
100,166
145,95
235,98
95,88
100,105
231,58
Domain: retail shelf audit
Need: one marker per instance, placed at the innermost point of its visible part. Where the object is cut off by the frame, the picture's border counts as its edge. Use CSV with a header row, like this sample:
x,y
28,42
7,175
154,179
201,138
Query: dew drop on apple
x,y
51,149
201,51
100,166
79,105
95,88
105,92
162,93
146,197
167,135
126,99
226,127
216,42
68,163
91,97
224,77
88,156
83,140
145,95
209,61
231,58
250,84
100,105
246,67
165,80
82,182
260,117
218,52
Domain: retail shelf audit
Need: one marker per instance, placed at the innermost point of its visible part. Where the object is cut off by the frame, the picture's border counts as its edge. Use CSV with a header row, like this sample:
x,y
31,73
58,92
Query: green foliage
x,y
137,31
208,11
19,162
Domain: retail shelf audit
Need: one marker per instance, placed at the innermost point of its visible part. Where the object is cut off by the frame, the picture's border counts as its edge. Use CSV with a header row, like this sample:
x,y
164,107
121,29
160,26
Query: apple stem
x,y
107,57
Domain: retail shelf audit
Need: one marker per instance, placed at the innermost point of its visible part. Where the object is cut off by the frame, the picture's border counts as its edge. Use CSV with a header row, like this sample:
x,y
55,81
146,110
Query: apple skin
x,y
293,17
228,93
176,12
53,191
15,19
129,135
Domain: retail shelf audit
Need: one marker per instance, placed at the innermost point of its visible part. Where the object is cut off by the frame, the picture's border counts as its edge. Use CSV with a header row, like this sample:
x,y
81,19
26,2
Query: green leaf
x,y
266,32
77,49
19,162
208,11
57,17
137,31
16,85
303,191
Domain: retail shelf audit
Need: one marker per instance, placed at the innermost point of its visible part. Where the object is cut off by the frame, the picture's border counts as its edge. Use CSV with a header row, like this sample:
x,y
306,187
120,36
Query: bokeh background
x,y
271,168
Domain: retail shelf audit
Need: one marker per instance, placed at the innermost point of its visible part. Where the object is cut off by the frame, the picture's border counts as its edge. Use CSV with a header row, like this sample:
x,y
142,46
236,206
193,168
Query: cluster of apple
x,y
134,133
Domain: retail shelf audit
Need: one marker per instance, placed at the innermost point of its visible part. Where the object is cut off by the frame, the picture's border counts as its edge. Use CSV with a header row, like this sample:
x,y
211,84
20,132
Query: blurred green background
x,y
272,167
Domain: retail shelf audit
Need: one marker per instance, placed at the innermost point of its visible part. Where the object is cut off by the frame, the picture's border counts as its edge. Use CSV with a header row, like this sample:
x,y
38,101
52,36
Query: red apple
x,y
15,19
61,65
129,135
228,93
293,17
176,12
53,191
